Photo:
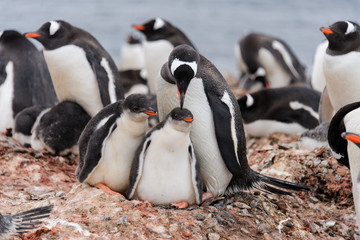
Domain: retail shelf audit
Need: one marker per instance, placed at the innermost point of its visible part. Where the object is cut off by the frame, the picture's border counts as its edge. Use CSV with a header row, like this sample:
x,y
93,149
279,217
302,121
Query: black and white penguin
x,y
132,66
24,122
81,70
341,68
24,78
289,110
317,79
217,133
266,61
165,169
57,129
109,142
23,222
161,38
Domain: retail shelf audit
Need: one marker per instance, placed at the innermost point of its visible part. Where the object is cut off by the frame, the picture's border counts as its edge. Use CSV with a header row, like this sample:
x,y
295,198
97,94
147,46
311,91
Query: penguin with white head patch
x,y
81,70
341,68
161,38
24,78
217,133
165,169
266,61
288,110
109,142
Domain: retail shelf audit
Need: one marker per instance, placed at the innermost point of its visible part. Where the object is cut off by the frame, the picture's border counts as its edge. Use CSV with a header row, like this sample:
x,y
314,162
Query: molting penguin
x,y
165,169
266,61
81,70
289,110
24,78
217,134
23,222
58,129
109,142
341,68
161,38
132,66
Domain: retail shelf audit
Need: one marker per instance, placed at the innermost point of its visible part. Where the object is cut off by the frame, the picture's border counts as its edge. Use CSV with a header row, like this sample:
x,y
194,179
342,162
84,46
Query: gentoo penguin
x,y
289,110
81,70
109,142
161,38
217,132
266,61
317,79
341,68
24,122
132,66
58,128
24,78
23,222
165,169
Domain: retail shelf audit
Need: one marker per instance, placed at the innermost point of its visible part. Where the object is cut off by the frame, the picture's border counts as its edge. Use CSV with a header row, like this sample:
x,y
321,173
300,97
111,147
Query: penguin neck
x,y
136,127
175,137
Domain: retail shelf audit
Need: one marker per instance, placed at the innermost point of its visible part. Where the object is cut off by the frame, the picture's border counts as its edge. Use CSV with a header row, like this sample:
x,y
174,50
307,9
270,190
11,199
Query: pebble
x,y
155,229
263,228
325,163
337,177
254,203
122,220
241,205
60,194
317,162
213,236
313,199
106,218
330,224
199,217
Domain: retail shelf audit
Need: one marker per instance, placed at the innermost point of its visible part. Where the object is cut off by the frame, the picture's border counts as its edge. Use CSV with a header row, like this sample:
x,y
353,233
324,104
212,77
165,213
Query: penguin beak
x,y
138,27
188,119
150,113
351,137
32,35
181,87
326,30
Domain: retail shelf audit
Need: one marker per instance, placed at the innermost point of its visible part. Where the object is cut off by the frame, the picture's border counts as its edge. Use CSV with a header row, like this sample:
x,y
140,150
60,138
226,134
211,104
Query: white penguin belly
x,y
6,99
113,169
275,73
266,127
318,81
73,78
213,170
166,176
342,78
156,54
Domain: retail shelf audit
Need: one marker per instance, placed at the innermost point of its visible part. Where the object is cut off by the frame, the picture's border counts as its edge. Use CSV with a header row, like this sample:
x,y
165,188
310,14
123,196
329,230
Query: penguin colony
x,y
198,149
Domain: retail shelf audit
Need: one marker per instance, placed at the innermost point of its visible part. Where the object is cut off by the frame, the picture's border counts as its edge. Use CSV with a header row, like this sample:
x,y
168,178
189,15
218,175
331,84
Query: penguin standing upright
x,y
24,221
341,68
24,78
266,61
289,110
165,169
81,70
161,38
109,141
217,134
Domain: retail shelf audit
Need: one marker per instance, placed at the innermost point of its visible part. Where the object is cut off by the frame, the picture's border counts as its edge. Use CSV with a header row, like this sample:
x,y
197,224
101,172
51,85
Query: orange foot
x,y
107,189
180,205
206,196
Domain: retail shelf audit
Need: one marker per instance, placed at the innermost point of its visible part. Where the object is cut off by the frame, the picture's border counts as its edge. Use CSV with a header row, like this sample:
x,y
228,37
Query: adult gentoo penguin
x,y
267,61
161,38
165,169
81,70
289,110
341,68
217,132
109,142
24,78
23,222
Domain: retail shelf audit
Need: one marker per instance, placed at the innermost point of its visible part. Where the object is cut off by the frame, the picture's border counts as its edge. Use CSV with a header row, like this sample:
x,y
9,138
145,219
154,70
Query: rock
x,y
241,205
263,228
213,236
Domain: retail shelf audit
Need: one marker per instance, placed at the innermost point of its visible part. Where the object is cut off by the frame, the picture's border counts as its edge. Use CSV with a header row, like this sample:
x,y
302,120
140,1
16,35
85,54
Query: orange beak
x,y
326,31
138,27
32,35
150,113
268,85
352,137
188,119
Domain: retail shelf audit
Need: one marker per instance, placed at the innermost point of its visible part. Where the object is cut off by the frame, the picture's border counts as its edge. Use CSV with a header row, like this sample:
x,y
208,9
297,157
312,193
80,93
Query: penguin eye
x,y
176,116
135,109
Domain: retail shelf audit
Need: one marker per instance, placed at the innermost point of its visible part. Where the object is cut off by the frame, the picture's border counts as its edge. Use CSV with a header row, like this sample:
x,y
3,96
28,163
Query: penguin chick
x,y
165,169
109,142
23,222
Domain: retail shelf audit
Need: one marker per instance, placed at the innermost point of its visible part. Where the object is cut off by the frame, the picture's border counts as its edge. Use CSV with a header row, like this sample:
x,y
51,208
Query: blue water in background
x,y
213,26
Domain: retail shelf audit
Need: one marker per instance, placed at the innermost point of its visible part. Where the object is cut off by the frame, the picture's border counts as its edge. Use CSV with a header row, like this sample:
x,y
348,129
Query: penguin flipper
x,y
326,110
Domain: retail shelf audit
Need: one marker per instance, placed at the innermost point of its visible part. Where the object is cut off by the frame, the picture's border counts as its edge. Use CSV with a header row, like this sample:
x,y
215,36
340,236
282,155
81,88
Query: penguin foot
x,y
107,189
206,196
180,205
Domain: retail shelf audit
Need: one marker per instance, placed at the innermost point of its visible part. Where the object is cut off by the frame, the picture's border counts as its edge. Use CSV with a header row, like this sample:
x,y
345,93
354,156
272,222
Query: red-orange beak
x,y
188,119
32,35
351,137
326,31
150,113
138,27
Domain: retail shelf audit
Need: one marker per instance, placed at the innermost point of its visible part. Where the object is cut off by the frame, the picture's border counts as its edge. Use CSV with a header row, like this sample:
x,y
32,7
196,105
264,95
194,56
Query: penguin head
x,y
53,34
183,65
343,36
9,36
352,137
139,107
181,119
154,29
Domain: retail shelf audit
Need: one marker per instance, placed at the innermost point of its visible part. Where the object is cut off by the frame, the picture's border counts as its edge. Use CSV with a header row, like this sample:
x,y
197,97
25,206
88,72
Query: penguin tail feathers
x,y
264,183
